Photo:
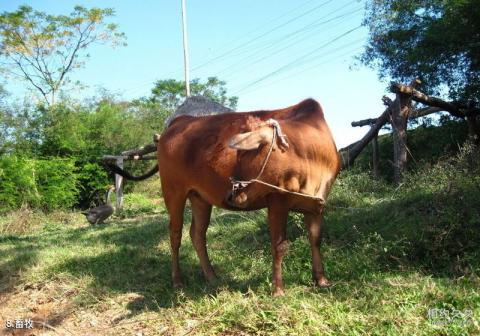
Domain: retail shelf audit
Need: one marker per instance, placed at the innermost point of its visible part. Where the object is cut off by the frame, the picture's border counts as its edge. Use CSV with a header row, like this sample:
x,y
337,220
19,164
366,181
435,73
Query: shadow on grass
x,y
14,260
139,261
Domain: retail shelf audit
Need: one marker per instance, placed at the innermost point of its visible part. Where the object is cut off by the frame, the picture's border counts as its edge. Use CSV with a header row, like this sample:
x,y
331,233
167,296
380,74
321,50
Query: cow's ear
x,y
251,140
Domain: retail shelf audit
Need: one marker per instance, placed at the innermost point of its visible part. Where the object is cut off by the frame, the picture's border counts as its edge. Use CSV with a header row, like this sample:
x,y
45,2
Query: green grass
x,y
392,253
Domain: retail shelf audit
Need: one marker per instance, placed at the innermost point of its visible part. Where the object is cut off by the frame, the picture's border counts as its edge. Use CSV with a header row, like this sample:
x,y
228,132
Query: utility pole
x,y
185,50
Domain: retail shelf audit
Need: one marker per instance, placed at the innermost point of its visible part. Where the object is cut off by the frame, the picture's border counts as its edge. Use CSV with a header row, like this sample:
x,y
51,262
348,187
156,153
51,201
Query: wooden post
x,y
375,157
119,185
473,129
401,109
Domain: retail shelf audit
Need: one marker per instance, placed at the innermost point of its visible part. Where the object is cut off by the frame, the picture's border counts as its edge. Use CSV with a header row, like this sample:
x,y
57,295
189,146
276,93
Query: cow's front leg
x,y
277,221
314,228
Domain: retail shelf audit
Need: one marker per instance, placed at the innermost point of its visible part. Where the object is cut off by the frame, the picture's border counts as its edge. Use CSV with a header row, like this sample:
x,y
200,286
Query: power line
x,y
315,66
284,48
260,36
248,42
304,58
307,27
289,12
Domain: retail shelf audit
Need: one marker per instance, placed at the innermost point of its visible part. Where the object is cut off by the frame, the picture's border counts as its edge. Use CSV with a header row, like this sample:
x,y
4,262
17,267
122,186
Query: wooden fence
x,y
397,113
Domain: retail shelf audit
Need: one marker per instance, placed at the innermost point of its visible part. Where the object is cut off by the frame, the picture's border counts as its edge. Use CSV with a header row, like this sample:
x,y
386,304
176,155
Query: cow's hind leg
x,y
277,222
201,211
175,203
314,228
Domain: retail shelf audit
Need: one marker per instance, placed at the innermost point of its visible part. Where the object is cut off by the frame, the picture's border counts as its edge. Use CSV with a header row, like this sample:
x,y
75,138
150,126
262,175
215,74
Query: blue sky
x,y
271,53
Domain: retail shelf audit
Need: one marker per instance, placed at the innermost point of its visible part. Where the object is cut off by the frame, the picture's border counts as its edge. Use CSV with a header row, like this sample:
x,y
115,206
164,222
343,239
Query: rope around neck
x,y
238,185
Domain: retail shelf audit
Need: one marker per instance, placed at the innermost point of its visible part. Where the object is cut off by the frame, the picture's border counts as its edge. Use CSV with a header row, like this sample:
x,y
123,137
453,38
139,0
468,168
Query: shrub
x,y
47,184
17,182
93,180
57,183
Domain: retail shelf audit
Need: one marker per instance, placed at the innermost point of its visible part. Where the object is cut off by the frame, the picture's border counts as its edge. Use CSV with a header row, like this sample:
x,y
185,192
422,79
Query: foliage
x,y
93,180
434,40
171,93
47,184
44,49
17,182
57,183
84,132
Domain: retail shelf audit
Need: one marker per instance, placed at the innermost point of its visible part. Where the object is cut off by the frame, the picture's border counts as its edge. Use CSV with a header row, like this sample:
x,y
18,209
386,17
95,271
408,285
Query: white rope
x,y
238,185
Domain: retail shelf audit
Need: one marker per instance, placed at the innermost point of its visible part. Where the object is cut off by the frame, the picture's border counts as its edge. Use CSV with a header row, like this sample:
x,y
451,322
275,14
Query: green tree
x,y
5,121
170,92
437,41
44,49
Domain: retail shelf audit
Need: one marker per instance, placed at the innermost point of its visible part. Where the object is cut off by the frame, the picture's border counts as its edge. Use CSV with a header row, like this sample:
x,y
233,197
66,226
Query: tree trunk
x,y
375,157
473,129
350,153
400,111
52,98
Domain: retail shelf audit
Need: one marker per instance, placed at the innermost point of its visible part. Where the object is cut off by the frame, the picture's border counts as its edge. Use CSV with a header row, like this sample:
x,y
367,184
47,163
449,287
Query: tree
x,y
437,41
4,120
170,92
44,49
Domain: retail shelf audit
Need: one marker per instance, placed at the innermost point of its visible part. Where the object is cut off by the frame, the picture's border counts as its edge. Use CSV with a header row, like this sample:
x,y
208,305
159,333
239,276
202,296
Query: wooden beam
x,y
141,151
456,109
127,157
421,112
351,152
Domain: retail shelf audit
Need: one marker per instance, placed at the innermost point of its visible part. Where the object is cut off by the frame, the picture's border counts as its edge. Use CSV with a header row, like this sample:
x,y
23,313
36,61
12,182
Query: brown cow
x,y
198,156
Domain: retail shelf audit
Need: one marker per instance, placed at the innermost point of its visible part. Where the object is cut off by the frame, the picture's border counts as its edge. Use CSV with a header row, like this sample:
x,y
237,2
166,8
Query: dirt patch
x,y
54,308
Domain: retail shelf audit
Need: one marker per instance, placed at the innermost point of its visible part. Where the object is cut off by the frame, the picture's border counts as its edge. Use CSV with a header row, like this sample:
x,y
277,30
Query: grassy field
x,y
392,253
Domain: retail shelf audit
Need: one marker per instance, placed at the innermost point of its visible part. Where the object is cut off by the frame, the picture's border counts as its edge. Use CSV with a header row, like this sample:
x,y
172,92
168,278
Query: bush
x,y
46,184
93,180
17,183
57,183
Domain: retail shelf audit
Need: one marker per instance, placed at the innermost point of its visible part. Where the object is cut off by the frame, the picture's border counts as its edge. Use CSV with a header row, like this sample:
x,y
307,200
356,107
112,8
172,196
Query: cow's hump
x,y
197,106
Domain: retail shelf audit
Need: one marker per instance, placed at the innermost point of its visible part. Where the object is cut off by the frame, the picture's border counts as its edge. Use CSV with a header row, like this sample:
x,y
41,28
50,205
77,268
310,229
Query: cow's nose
x,y
237,201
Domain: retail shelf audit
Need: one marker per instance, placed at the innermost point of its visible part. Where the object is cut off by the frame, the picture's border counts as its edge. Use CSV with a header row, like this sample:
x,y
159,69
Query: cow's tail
x,y
117,170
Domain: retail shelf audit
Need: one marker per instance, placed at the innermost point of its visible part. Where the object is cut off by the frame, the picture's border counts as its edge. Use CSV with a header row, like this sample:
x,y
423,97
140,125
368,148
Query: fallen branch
x,y
127,157
350,153
134,154
421,112
454,108
141,151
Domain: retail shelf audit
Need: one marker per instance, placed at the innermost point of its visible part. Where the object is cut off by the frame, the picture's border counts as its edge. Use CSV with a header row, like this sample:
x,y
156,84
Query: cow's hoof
x,y
323,283
177,283
211,278
278,292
